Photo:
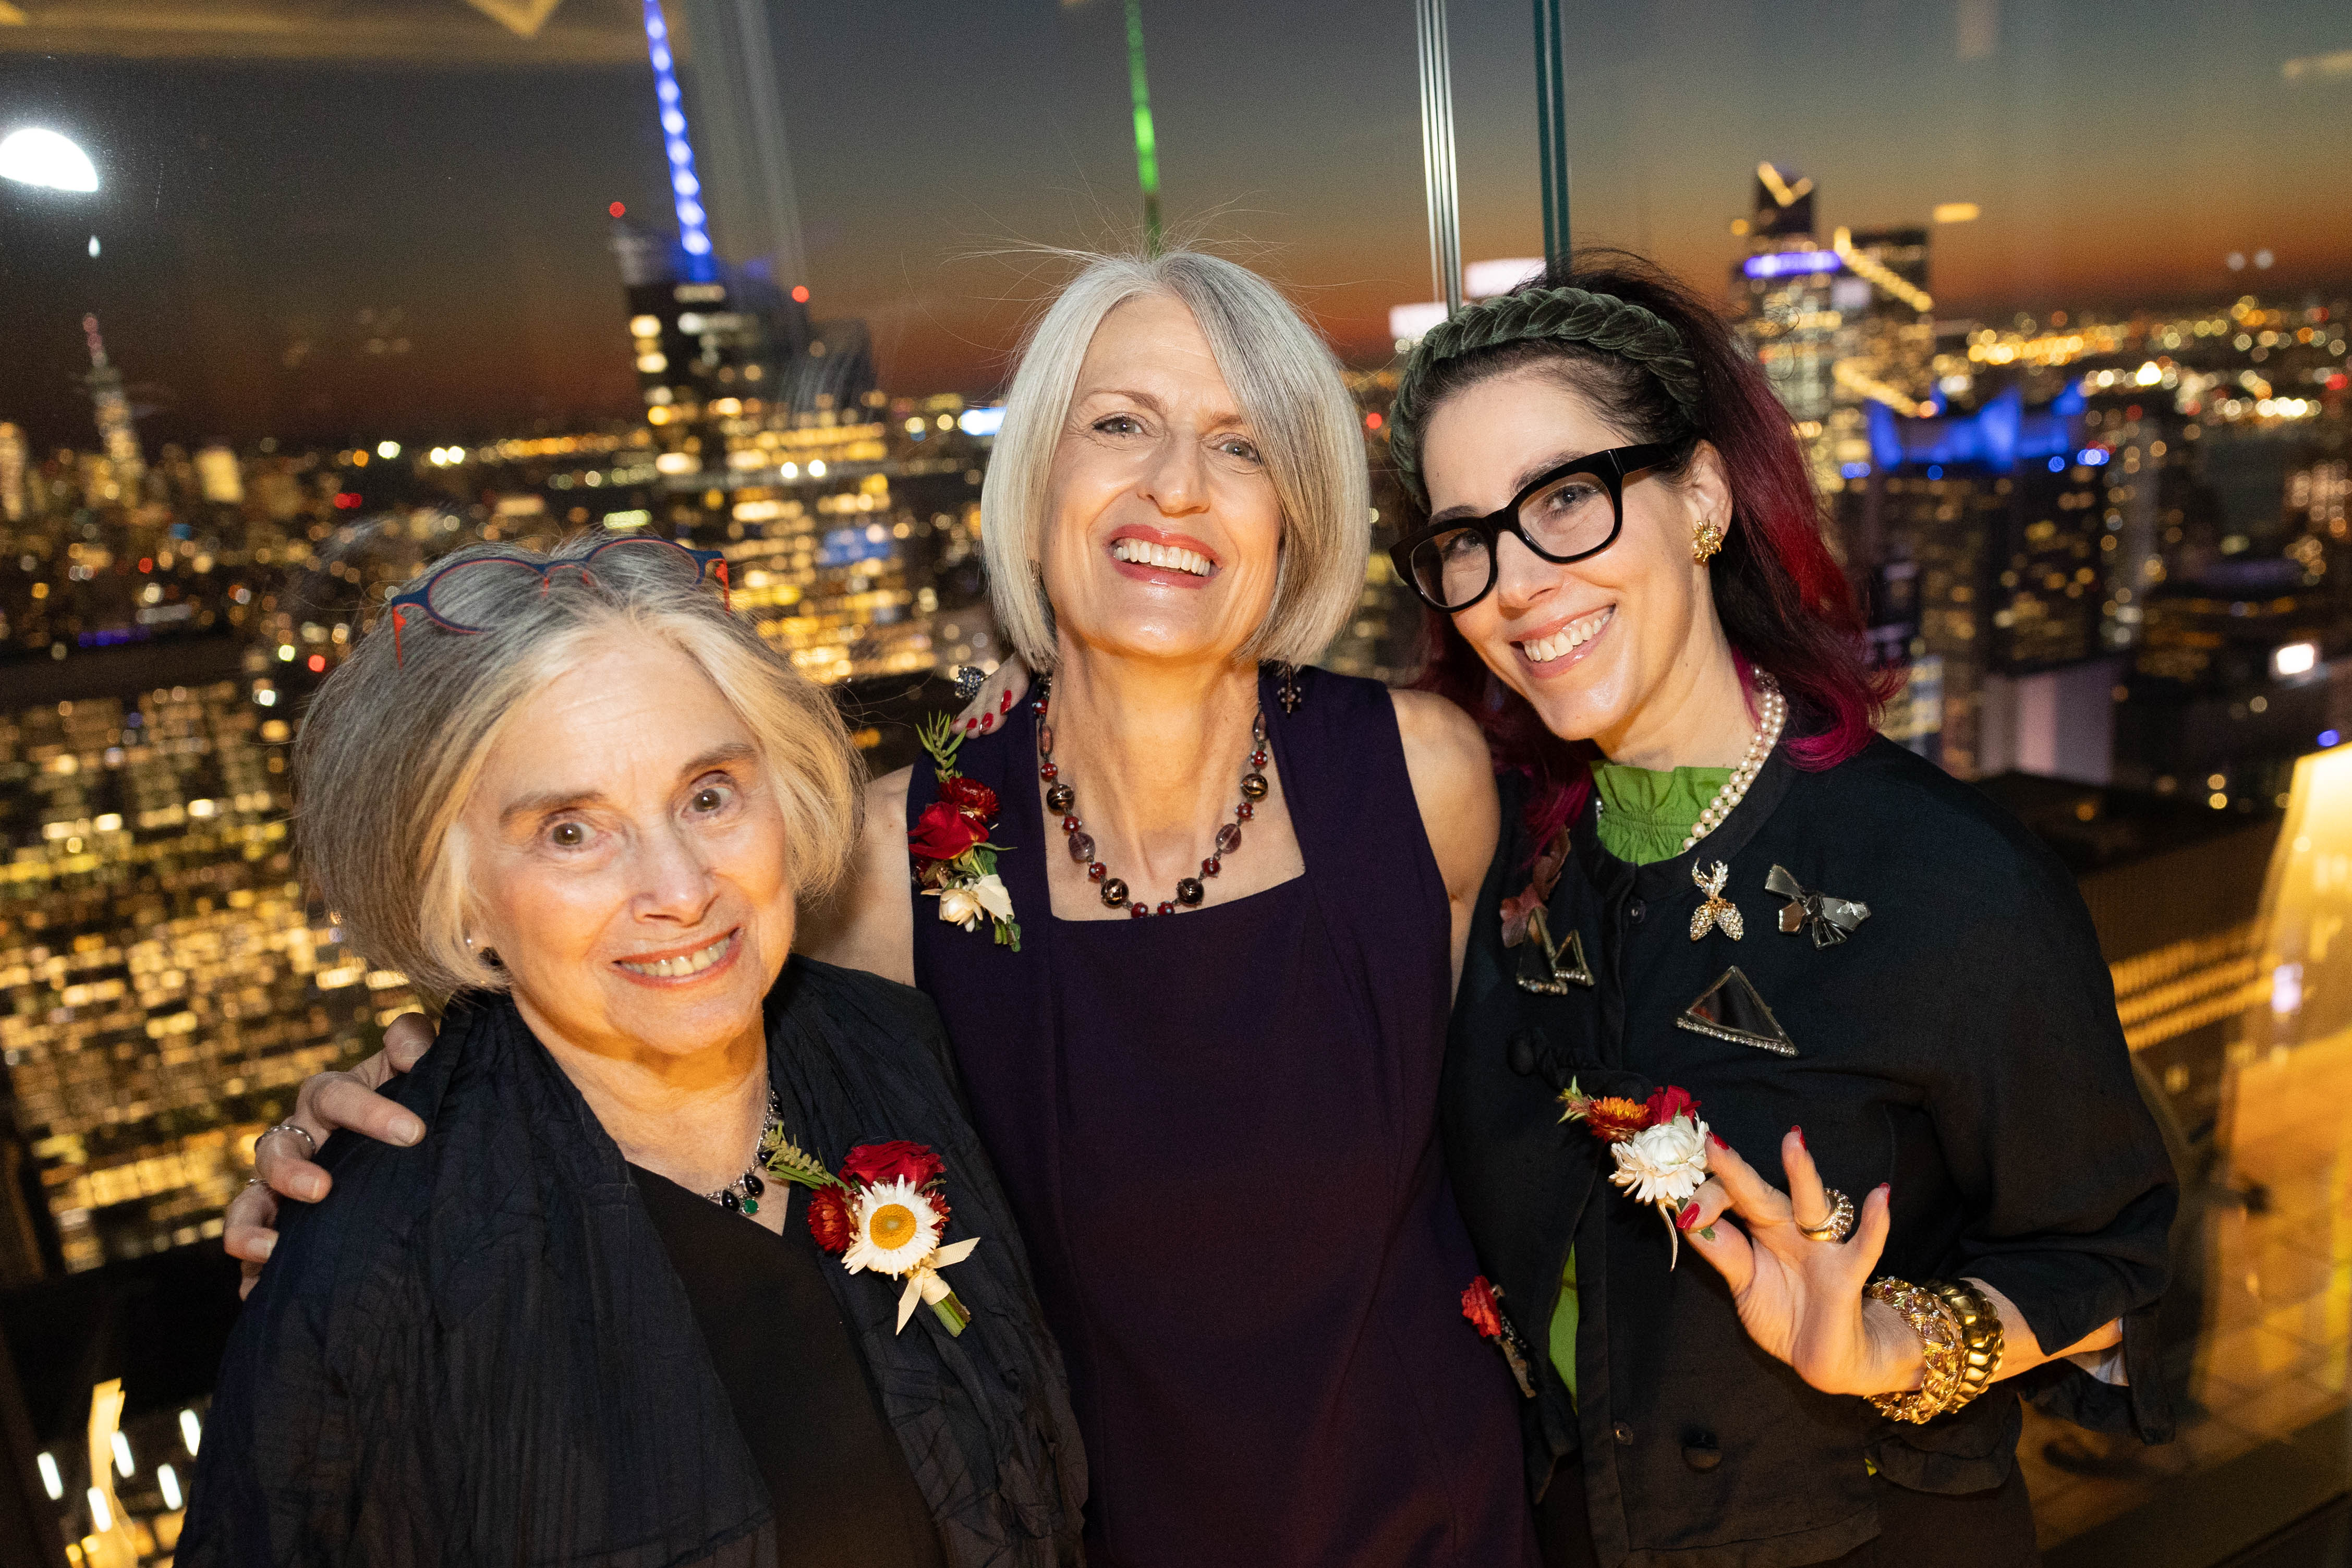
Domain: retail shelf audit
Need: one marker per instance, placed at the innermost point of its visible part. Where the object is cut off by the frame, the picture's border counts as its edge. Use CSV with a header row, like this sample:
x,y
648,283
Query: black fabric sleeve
x,y
281,1478
2070,1191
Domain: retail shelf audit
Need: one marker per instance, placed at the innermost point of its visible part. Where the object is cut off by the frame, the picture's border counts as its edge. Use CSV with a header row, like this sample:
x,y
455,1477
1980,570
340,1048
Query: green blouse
x,y
1644,817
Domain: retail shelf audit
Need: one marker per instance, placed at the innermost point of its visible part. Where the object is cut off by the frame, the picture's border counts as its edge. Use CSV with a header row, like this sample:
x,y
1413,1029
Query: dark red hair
x,y
1784,601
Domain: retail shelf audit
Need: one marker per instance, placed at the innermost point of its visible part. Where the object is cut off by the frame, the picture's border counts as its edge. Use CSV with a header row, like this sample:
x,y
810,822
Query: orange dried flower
x,y
1613,1118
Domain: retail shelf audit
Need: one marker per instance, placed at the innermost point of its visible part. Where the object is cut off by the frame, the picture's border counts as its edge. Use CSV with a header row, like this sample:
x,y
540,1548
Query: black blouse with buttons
x,y
1960,1043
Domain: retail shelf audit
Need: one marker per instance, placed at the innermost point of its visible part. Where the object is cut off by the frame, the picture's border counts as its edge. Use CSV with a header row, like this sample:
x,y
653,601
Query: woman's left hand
x,y
1801,1299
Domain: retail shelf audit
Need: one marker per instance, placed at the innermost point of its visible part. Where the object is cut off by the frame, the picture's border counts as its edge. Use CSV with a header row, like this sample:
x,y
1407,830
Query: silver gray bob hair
x,y
1300,416
391,746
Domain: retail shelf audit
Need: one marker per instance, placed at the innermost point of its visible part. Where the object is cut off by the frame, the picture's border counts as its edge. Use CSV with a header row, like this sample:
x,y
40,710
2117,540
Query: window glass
x,y
298,296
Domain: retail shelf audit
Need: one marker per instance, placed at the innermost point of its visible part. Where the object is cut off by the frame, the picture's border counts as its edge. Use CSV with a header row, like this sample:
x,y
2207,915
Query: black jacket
x,y
1961,1044
477,1352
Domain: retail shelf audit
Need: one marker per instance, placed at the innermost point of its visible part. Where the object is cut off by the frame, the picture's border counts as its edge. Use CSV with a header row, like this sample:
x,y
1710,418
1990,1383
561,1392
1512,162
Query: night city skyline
x,y
2056,297
264,219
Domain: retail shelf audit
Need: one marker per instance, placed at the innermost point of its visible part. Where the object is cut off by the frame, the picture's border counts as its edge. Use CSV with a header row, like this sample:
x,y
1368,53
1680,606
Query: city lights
x,y
1409,324
34,156
2295,659
2098,533
1781,263
1485,279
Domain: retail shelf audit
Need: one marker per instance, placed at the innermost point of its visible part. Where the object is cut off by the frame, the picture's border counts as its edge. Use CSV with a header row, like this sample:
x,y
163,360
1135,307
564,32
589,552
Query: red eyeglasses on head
x,y
444,587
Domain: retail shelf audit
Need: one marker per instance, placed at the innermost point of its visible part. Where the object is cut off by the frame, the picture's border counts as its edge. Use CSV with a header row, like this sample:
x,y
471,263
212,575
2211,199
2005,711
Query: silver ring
x,y
1840,1223
291,1127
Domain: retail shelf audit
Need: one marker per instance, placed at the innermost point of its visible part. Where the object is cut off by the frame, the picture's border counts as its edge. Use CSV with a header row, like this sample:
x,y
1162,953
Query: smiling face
x,y
627,860
1164,534
1617,648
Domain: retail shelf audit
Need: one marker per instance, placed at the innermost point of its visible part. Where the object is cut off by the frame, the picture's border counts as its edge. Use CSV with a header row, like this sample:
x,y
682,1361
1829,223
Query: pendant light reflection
x,y
35,156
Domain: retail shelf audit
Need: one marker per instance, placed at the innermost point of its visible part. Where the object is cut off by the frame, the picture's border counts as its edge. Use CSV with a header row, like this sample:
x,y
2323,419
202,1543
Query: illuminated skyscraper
x,y
162,986
116,436
1986,537
1782,207
850,522
1836,326
12,473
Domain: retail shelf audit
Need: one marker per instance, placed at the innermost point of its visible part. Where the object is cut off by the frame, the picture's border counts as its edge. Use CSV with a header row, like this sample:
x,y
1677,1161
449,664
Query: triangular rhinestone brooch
x,y
1547,967
1730,1010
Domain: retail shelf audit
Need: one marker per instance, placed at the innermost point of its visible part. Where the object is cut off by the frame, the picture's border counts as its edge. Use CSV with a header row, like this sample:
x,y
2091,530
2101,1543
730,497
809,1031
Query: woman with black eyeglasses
x,y
1726,920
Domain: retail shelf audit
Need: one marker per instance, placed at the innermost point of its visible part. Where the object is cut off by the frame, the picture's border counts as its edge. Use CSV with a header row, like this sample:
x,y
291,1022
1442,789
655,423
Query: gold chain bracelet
x,y
1927,1315
1980,1340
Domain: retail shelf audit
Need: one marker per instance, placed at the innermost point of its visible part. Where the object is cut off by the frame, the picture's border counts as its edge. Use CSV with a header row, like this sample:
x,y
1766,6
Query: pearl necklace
x,y
1734,788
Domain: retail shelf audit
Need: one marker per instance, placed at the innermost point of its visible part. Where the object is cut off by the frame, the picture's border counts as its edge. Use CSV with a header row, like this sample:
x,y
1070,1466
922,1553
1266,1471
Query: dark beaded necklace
x,y
742,1195
1063,801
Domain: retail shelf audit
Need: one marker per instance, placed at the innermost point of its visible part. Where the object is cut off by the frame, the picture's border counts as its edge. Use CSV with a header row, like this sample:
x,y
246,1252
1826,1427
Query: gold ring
x,y
1839,1222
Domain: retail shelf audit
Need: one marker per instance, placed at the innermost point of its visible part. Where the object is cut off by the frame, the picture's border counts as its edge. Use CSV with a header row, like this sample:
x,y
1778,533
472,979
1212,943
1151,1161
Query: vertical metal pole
x,y
1551,131
1146,145
1437,153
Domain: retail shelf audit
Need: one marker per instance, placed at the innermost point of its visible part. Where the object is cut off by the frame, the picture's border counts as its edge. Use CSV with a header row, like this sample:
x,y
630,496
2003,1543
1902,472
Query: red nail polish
x,y
1005,706
1718,1143
987,721
1686,1217
1801,1136
970,725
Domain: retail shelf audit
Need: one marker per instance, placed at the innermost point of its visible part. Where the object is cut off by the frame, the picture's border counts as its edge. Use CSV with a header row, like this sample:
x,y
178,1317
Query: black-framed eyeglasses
x,y
1567,514
442,590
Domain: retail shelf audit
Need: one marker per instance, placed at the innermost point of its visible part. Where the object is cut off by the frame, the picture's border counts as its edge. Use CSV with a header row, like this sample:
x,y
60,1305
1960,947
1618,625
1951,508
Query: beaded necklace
x,y
1063,801
742,1195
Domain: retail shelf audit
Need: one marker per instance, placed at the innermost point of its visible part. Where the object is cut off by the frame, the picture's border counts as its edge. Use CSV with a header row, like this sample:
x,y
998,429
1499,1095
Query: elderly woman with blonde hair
x,y
1193,913
592,1319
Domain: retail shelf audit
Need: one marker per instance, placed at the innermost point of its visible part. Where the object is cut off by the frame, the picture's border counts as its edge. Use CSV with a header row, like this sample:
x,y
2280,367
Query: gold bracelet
x,y
1980,1338
1927,1315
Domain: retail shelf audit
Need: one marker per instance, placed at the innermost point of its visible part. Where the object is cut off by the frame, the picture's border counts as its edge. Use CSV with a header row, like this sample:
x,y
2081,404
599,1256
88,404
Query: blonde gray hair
x,y
1289,387
392,746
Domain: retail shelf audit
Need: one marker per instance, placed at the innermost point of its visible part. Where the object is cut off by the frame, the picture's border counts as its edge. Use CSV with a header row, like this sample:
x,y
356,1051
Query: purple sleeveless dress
x,y
1218,1130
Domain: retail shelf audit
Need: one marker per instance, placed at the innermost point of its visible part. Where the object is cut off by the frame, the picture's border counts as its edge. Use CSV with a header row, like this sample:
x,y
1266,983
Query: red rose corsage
x,y
954,862
884,1211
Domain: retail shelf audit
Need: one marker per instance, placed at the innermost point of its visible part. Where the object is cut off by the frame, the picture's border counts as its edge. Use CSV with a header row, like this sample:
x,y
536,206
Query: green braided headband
x,y
1603,321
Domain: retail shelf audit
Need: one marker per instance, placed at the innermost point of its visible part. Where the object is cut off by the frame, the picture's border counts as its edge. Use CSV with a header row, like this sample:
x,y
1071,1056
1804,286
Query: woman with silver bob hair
x,y
575,800
1193,913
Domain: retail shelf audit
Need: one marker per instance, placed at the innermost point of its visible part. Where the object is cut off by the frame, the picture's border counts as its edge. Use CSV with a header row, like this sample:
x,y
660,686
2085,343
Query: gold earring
x,y
1706,542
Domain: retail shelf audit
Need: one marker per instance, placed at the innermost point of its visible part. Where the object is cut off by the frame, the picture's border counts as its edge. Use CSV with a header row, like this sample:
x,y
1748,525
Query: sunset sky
x,y
263,191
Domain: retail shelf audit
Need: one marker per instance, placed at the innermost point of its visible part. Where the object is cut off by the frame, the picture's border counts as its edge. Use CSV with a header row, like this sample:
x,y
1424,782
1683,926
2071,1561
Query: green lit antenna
x,y
1147,146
